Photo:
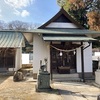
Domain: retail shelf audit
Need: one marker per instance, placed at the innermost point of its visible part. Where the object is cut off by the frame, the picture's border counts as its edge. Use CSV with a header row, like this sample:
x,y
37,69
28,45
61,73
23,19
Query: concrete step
x,y
3,70
66,77
65,80
7,73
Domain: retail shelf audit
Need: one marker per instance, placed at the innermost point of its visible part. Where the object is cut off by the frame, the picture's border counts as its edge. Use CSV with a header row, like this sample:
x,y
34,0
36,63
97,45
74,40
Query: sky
x,y
33,11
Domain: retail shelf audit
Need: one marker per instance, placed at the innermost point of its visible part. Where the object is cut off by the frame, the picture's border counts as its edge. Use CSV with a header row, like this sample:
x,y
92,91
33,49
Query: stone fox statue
x,y
42,67
18,76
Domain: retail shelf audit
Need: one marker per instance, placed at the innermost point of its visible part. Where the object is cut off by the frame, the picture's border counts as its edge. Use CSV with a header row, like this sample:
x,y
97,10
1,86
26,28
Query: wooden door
x,y
63,64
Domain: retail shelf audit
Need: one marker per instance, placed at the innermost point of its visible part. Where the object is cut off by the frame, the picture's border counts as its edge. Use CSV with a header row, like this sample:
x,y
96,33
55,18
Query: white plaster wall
x,y
97,54
41,50
87,58
78,60
18,60
25,58
61,25
97,77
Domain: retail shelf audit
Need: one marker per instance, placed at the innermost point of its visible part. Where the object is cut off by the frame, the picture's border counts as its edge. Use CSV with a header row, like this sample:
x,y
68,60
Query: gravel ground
x,y
24,90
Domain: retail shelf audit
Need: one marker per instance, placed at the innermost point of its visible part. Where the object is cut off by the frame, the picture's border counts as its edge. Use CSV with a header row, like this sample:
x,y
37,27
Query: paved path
x,y
77,91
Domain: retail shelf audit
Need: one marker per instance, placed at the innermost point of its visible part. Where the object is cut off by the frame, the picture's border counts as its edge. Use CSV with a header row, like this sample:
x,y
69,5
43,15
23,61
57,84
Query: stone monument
x,y
43,79
18,76
97,73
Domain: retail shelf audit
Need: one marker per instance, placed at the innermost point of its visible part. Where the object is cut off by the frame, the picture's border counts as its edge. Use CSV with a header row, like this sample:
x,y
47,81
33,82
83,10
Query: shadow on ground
x,y
78,94
3,78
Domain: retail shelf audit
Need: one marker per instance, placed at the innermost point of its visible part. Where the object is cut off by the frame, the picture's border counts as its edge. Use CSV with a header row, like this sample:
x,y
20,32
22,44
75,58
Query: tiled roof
x,y
62,31
10,39
68,38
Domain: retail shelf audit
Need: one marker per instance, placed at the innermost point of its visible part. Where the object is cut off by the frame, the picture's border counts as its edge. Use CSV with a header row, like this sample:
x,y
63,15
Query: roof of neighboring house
x,y
11,39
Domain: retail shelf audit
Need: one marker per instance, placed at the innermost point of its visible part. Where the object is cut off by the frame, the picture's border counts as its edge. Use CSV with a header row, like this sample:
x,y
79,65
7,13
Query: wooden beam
x,y
82,62
51,62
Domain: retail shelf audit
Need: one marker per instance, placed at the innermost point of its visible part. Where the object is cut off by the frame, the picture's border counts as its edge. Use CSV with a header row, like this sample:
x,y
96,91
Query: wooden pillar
x,y
51,62
82,62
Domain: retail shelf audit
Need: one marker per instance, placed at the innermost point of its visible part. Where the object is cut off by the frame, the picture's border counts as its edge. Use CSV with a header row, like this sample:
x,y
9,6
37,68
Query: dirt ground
x,y
24,90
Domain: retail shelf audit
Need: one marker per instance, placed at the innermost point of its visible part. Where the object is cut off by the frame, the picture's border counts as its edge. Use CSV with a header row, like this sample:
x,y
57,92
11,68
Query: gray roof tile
x,y
11,39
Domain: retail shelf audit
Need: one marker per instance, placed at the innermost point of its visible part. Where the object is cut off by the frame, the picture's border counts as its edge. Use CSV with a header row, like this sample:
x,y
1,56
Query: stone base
x,y
34,75
87,75
42,89
97,85
97,77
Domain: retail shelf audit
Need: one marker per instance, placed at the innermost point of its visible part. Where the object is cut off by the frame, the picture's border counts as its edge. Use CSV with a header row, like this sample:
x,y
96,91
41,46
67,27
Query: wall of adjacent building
x,y
18,60
25,58
41,50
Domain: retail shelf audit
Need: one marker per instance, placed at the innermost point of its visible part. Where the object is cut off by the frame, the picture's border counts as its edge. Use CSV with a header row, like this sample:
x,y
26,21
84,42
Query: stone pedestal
x,y
97,76
43,82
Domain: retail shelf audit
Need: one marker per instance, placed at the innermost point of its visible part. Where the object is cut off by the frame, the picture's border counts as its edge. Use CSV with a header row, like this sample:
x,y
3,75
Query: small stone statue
x,y
43,67
45,64
43,81
99,63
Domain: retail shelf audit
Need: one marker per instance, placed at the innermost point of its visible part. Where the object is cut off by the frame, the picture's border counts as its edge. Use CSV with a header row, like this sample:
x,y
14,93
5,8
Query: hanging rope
x,y
65,50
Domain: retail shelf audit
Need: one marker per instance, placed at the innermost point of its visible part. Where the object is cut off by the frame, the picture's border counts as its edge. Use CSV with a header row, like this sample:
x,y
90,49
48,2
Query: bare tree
x,y
18,25
3,25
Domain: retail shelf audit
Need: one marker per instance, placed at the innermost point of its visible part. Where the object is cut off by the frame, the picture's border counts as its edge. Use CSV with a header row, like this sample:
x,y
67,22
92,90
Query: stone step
x,y
7,73
3,70
66,77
